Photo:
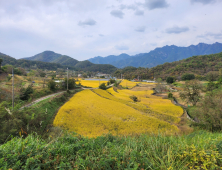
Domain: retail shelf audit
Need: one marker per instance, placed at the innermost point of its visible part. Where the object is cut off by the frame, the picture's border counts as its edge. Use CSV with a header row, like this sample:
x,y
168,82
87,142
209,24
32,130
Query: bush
x,y
170,95
26,92
112,81
102,86
134,98
208,113
52,85
170,80
188,76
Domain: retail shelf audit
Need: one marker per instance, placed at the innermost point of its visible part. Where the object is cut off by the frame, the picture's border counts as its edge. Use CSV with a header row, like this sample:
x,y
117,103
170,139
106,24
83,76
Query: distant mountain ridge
x,y
51,60
159,55
52,57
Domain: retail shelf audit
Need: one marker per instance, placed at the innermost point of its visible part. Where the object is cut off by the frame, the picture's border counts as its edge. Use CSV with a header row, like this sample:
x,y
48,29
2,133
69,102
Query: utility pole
x,y
67,78
121,76
12,89
99,80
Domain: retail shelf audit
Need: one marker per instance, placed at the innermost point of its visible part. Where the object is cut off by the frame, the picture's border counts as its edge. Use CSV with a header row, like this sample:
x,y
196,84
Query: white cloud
x,y
203,1
139,12
117,13
154,4
89,22
176,30
140,29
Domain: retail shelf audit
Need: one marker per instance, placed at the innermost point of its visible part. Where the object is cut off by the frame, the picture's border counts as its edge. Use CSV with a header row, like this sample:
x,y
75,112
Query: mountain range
x,y
158,55
51,61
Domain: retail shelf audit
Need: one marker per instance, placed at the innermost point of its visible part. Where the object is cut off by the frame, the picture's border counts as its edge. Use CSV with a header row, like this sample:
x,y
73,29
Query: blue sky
x,y
83,29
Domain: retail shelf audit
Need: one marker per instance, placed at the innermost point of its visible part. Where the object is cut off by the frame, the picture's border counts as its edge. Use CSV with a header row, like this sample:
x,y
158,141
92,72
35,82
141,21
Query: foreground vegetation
x,y
199,150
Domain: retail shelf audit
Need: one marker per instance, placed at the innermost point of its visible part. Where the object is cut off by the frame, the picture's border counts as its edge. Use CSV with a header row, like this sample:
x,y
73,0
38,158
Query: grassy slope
x,y
198,150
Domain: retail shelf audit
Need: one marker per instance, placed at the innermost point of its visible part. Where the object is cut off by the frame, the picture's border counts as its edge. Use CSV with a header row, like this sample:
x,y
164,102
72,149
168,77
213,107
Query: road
x,y
40,99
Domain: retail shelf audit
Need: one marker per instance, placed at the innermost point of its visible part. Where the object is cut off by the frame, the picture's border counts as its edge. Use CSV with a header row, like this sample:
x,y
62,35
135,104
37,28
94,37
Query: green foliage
x,y
170,95
212,75
134,98
191,92
71,84
102,86
170,80
208,113
52,85
212,86
37,118
188,76
112,81
198,150
26,92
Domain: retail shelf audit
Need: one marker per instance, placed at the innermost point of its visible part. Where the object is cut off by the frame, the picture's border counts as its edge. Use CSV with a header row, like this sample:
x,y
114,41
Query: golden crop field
x,y
162,108
91,83
127,83
97,112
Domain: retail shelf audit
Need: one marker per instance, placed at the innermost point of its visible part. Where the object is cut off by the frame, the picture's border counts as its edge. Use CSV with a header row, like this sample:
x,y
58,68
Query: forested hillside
x,y
197,65
52,57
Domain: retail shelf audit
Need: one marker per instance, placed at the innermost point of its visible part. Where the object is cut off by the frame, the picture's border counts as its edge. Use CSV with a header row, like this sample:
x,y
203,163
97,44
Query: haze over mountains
x,y
158,55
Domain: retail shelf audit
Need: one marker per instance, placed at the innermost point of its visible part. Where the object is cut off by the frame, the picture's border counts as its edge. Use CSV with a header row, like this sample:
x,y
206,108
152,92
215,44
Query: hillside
x,y
52,57
198,65
73,64
160,55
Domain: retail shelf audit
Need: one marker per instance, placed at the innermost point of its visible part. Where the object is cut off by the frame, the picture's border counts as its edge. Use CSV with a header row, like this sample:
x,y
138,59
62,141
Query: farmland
x,y
96,112
92,83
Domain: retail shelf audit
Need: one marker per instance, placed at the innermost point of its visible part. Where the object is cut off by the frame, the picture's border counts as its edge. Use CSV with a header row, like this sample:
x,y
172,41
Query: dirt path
x,y
42,98
51,95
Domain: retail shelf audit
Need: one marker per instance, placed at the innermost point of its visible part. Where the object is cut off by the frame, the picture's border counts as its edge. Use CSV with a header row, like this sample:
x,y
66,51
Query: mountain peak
x,y
159,55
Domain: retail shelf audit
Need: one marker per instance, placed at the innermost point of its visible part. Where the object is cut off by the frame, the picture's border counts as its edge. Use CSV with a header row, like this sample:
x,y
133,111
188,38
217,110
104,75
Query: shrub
x,y
52,85
188,76
170,80
134,98
26,92
208,112
102,86
170,95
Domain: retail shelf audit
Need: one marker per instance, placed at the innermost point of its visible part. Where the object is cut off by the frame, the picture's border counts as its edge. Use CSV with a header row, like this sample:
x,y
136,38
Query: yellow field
x,y
91,83
162,108
129,84
97,112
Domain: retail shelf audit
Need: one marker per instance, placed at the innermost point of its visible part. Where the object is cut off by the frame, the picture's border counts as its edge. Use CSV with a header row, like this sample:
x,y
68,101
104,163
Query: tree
x,y
170,80
208,112
26,92
191,92
71,83
52,85
160,87
102,86
212,75
1,60
188,76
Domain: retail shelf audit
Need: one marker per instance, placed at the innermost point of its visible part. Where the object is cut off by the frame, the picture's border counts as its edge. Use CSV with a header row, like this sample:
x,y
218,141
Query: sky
x,y
84,29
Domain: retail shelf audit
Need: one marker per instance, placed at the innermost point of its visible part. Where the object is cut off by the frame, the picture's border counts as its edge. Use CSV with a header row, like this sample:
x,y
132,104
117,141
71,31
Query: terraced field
x,y
92,83
95,112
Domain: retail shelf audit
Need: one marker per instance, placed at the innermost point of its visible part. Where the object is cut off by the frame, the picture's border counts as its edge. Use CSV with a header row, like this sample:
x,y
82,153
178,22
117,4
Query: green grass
x,y
199,150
